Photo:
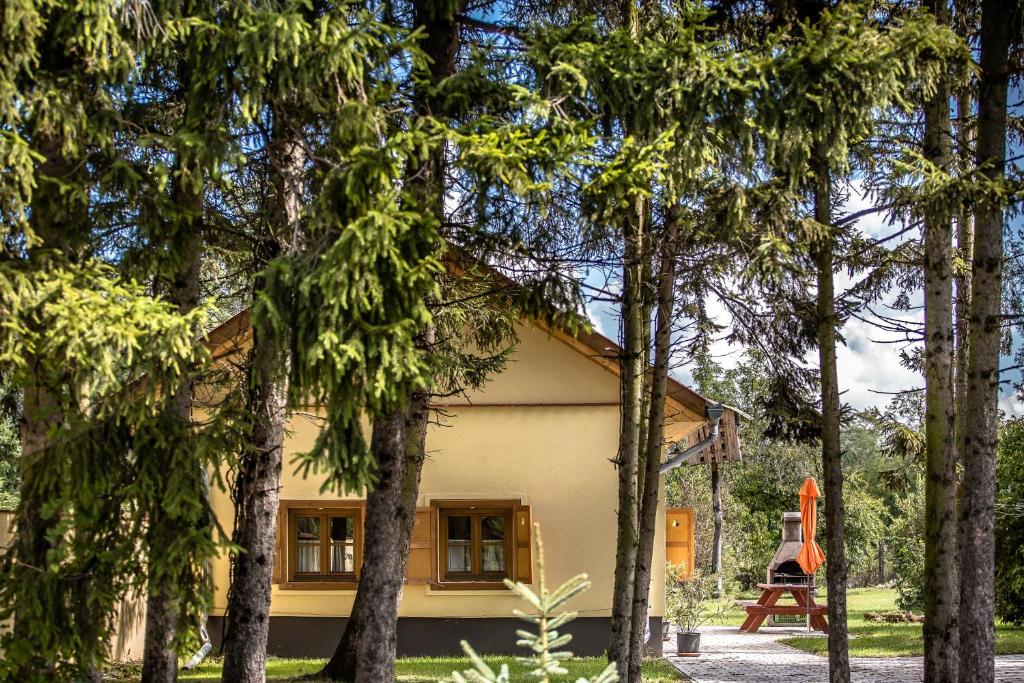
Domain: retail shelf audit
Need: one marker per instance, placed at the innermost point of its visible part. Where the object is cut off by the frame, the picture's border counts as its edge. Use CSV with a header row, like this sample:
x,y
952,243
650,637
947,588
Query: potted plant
x,y
688,608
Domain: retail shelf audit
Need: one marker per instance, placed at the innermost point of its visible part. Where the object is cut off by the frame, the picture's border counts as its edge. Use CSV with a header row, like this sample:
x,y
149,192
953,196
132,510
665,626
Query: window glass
x,y
343,557
342,529
492,551
460,543
307,552
493,528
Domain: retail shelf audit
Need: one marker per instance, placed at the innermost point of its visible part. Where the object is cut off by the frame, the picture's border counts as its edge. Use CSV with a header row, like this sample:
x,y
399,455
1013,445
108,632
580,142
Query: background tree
x,y
999,21
10,443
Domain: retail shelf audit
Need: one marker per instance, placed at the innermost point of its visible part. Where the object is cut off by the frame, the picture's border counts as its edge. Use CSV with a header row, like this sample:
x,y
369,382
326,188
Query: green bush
x,y
907,545
1010,523
863,525
751,551
687,600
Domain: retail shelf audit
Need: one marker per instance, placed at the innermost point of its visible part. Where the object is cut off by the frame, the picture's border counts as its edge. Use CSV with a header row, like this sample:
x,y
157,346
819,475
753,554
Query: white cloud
x,y
866,366
874,224
1010,403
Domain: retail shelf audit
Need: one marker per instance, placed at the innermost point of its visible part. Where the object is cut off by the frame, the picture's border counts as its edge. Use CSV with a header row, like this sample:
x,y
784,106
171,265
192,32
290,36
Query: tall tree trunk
x,y
831,451
940,634
716,509
51,220
369,630
977,521
648,517
256,493
631,383
185,241
40,413
881,561
368,646
962,279
160,660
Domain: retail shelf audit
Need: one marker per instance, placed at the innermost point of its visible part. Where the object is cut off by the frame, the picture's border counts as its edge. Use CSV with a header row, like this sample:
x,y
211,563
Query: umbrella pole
x,y
807,601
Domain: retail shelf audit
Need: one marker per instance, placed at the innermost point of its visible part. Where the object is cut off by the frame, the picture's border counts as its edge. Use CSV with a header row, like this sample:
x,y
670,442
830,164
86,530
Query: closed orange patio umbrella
x,y
810,557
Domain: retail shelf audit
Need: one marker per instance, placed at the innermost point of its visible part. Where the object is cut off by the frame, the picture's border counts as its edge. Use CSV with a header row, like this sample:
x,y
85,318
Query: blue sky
x,y
867,364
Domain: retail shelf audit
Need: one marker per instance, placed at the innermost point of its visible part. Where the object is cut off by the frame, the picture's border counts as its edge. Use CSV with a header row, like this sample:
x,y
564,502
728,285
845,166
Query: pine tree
x,y
940,636
177,230
977,512
76,333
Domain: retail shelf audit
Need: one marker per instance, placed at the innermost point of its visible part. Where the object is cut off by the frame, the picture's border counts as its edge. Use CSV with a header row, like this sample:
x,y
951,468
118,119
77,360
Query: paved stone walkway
x,y
728,654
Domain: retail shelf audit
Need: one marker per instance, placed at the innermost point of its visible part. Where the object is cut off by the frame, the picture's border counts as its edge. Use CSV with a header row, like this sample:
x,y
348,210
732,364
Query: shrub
x,y
907,545
1010,523
687,601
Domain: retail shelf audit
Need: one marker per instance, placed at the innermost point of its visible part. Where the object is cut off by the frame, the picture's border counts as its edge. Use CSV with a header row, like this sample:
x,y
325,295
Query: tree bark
x,y
159,660
370,628
881,561
716,539
51,220
368,646
831,452
185,241
631,382
977,521
940,627
256,494
648,517
962,304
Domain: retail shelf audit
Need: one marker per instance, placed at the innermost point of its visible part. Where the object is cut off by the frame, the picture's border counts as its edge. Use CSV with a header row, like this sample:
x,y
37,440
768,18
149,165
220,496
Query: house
x,y
535,445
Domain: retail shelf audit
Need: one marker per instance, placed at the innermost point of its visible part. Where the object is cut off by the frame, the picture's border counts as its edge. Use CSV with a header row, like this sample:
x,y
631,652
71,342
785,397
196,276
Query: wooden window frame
x,y
291,511
475,509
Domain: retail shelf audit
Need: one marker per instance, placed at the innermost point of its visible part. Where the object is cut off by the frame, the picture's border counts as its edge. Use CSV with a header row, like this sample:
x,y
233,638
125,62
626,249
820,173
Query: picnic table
x,y
771,593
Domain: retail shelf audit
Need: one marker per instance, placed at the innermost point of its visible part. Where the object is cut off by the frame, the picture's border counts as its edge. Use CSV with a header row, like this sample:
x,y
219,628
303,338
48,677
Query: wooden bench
x,y
795,610
766,606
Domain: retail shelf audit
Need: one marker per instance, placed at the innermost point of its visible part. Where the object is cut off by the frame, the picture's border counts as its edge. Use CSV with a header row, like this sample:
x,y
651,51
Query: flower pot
x,y
687,644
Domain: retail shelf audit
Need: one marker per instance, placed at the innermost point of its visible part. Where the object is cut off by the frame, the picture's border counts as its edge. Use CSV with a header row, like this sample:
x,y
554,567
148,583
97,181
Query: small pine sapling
x,y
546,660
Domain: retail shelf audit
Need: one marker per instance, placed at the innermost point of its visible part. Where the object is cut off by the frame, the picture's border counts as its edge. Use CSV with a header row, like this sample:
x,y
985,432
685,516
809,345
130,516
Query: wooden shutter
x,y
679,539
279,545
524,548
421,550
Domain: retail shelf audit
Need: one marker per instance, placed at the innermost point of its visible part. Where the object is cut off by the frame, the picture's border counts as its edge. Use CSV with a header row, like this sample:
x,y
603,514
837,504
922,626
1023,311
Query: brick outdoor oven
x,y
784,568
786,578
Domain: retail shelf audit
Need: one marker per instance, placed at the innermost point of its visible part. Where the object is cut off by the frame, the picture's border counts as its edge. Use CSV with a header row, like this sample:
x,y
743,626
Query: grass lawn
x,y
869,639
418,669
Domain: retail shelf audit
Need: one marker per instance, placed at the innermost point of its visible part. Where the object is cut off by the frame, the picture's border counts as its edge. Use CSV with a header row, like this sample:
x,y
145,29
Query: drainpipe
x,y
715,413
204,650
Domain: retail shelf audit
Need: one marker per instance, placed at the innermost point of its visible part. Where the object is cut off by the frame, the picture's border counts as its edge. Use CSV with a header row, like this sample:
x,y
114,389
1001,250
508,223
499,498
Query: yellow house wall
x,y
554,458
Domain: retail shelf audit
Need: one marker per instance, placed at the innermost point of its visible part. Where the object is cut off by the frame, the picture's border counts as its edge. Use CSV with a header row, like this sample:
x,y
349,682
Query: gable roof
x,y
685,416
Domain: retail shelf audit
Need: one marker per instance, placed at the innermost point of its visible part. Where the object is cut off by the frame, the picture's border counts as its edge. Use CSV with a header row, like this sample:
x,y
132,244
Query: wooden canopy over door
x,y
679,539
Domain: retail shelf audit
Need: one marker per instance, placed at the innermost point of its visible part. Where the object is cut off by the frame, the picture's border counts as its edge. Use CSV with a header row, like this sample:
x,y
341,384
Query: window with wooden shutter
x,y
679,539
421,565
277,574
475,544
524,545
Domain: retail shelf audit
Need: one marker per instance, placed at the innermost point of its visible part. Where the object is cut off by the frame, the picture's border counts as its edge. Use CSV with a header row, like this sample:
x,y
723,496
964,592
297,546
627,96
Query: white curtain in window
x,y
307,557
343,559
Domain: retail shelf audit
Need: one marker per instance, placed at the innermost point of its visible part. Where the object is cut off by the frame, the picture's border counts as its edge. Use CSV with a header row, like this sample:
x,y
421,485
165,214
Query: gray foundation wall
x,y
316,637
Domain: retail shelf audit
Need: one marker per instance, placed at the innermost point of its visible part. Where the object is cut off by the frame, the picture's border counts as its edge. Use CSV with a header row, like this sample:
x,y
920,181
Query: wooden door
x,y
679,539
